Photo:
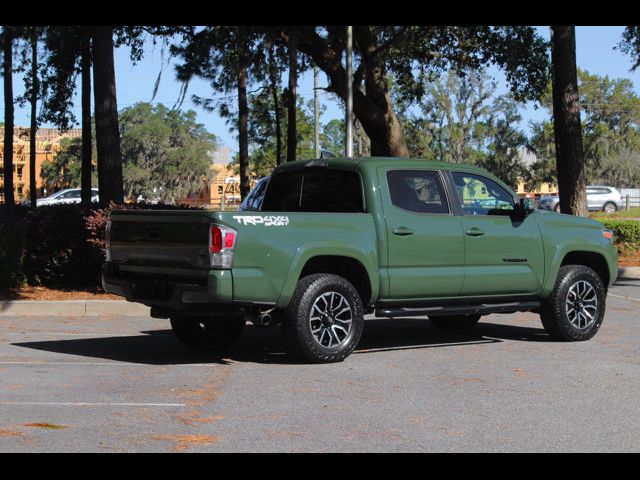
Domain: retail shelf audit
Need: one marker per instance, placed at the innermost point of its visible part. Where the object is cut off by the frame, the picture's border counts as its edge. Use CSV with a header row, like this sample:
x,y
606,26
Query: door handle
x,y
474,232
402,231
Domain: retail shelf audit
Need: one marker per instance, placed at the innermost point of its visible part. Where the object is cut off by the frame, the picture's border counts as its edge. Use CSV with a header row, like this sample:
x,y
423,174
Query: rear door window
x,y
283,193
327,190
314,190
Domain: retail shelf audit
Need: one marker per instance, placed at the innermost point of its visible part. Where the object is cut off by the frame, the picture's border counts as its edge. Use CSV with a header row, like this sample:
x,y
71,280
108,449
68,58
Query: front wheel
x,y
575,310
457,322
325,319
207,333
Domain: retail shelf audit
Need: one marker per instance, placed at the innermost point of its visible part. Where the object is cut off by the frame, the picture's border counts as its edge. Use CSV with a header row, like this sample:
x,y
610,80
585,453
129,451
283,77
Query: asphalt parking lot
x,y
124,384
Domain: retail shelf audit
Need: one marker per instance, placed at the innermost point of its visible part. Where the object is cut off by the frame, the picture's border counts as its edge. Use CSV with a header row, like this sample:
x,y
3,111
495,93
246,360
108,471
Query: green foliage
x,y
462,120
56,249
165,153
610,115
630,44
542,144
60,70
632,213
56,245
332,137
627,233
262,132
13,229
505,141
64,170
420,52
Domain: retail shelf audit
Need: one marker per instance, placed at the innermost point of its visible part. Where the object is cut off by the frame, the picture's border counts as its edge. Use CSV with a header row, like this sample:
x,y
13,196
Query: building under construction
x,y
47,145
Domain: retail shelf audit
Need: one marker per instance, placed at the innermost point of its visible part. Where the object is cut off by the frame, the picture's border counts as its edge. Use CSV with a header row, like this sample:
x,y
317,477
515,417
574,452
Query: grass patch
x,y
631,213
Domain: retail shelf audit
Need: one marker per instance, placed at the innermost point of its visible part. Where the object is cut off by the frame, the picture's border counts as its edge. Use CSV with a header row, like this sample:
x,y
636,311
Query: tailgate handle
x,y
402,231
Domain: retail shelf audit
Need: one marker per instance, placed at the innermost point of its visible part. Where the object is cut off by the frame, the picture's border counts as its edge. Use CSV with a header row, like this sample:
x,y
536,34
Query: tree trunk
x,y
292,135
566,122
276,103
85,179
243,136
372,105
34,119
9,199
107,130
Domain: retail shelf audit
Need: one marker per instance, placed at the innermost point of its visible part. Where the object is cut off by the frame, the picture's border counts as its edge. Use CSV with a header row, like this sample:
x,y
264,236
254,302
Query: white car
x,y
607,199
68,195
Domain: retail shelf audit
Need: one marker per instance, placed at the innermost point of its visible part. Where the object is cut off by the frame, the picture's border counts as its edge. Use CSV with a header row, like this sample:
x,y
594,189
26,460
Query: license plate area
x,y
152,289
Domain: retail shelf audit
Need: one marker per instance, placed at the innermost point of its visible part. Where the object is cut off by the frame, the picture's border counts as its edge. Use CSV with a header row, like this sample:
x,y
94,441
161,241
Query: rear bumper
x,y
167,290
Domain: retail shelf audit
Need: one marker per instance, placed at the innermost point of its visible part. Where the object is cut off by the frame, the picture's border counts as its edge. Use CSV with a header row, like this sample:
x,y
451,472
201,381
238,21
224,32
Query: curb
x,y
71,308
629,273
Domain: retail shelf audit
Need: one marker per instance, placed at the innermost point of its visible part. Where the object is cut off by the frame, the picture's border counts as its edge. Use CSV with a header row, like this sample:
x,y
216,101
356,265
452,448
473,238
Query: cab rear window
x,y
314,190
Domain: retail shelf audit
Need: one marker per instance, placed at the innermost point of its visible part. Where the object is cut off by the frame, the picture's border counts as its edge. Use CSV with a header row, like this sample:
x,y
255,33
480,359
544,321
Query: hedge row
x,y
627,233
56,245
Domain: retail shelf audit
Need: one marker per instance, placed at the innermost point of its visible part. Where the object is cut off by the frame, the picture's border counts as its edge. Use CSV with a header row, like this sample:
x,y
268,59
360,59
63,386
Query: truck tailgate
x,y
160,239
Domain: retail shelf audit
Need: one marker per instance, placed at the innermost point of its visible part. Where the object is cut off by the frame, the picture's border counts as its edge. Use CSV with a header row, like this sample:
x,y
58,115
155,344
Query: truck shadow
x,y
266,345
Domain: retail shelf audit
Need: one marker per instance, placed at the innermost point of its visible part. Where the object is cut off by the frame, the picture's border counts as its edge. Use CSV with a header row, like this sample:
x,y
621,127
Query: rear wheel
x,y
455,322
609,207
207,333
575,310
325,319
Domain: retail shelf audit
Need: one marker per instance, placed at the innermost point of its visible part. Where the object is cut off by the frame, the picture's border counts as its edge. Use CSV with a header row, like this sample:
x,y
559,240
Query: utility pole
x,y
316,114
348,150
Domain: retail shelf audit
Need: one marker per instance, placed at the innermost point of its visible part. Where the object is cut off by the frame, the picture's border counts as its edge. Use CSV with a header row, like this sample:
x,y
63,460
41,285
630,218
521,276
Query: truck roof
x,y
373,162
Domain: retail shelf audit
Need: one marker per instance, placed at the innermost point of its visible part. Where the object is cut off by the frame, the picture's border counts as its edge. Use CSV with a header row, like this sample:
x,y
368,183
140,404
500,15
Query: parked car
x,y
607,199
338,238
68,195
253,201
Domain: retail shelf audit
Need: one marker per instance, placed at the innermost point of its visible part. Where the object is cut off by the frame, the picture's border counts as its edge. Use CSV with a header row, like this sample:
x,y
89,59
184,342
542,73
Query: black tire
x,y
612,207
313,295
559,313
455,322
207,333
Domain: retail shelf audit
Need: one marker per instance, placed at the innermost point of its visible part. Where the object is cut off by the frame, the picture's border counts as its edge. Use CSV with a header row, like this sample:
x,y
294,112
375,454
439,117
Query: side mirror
x,y
523,208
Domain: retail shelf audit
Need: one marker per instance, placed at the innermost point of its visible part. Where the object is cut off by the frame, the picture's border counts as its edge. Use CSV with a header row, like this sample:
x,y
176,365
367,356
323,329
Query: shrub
x,y
13,228
56,245
627,233
57,252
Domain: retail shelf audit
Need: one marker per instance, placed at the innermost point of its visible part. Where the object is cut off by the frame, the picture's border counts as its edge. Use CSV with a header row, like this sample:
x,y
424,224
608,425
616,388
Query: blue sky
x,y
134,83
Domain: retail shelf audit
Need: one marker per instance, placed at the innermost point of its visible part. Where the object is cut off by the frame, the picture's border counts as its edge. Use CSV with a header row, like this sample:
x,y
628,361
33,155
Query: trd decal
x,y
267,221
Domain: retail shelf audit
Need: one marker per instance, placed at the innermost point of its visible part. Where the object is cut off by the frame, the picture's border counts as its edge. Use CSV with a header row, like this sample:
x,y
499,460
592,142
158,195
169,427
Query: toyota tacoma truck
x,y
335,239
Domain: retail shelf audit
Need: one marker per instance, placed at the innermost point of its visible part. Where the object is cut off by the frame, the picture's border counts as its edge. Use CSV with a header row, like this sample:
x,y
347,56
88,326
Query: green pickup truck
x,y
336,239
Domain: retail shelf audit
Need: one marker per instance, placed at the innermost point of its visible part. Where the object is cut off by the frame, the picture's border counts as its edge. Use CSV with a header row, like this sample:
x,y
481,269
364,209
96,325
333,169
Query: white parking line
x,y
53,334
92,404
127,364
626,298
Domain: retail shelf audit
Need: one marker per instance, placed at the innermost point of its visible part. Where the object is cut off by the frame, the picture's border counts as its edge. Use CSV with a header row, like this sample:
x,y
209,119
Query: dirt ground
x,y
629,260
44,293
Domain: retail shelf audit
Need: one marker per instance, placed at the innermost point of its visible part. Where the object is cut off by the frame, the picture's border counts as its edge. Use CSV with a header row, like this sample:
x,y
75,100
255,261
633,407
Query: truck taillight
x,y
221,244
107,241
